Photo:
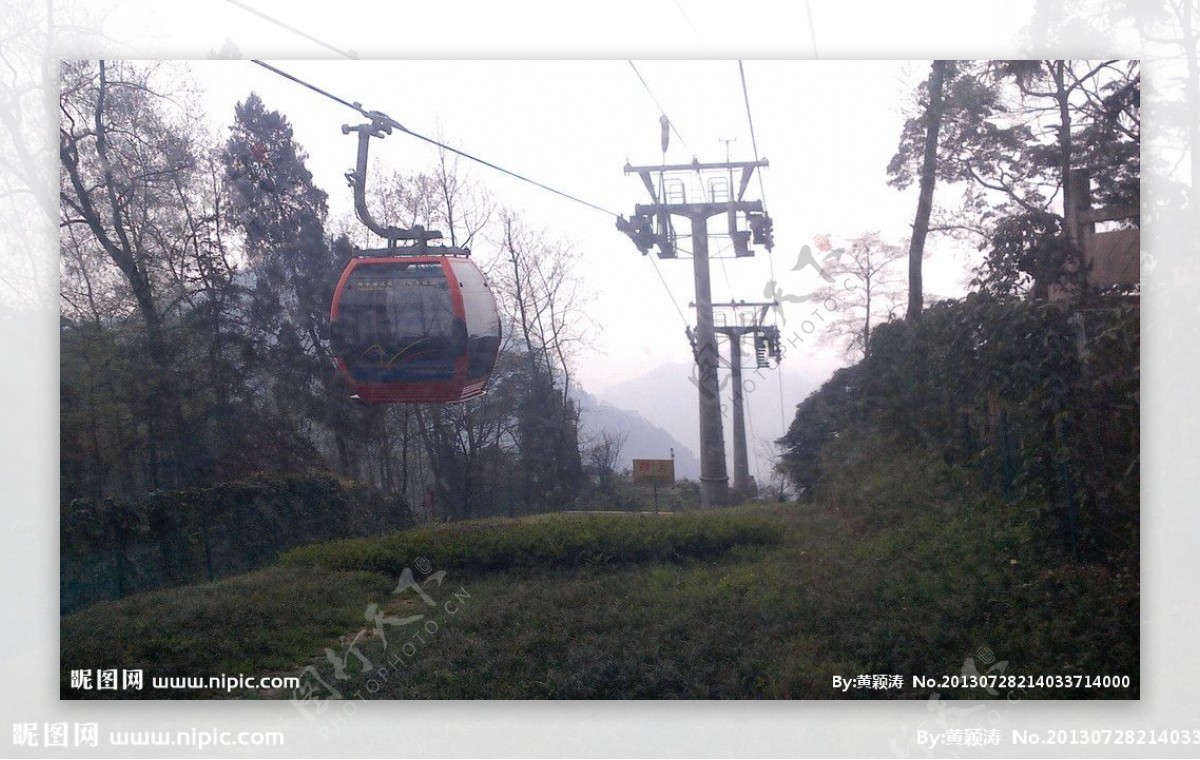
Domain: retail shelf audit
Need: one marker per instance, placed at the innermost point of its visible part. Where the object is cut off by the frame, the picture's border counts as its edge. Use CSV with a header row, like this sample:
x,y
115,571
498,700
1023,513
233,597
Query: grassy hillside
x,y
757,601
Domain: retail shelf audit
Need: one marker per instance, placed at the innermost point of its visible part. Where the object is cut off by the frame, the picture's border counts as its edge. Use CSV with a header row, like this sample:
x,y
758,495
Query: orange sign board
x,y
651,472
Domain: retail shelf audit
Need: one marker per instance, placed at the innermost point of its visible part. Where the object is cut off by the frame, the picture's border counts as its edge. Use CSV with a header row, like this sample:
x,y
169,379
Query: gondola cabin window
x,y
414,329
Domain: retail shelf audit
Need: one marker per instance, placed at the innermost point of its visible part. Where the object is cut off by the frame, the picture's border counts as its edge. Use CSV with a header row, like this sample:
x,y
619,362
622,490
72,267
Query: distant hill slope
x,y
646,440
666,397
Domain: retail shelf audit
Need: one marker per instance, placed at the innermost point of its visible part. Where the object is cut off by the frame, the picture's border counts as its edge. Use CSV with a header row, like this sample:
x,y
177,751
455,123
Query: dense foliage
x,y
1030,400
114,547
1027,388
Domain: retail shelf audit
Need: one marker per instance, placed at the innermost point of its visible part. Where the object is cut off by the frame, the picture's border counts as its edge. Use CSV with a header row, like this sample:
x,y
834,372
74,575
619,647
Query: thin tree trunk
x,y
916,249
162,393
867,325
1072,195
1192,98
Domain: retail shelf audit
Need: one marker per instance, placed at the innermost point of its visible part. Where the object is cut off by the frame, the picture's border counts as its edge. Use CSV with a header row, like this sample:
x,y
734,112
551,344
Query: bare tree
x,y
776,486
125,163
603,453
542,299
864,290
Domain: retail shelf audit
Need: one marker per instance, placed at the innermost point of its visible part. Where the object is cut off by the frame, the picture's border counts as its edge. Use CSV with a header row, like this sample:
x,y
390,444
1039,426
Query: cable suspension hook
x,y
380,126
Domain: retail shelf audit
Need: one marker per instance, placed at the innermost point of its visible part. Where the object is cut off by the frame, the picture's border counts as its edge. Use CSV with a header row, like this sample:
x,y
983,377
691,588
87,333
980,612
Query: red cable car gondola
x,y
414,329
414,323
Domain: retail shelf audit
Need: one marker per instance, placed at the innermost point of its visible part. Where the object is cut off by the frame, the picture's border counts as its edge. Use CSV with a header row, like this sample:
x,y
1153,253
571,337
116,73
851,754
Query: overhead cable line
x,y
687,18
670,295
763,192
782,414
661,110
812,31
376,115
389,121
753,438
293,30
753,140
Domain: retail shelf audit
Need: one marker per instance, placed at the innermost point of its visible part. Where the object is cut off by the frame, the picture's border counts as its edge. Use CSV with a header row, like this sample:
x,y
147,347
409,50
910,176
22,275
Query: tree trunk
x,y
1192,98
1073,194
916,249
867,325
162,395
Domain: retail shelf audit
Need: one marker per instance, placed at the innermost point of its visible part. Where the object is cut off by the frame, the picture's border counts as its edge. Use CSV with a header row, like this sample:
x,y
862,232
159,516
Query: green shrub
x,y
553,541
876,481
257,623
1038,400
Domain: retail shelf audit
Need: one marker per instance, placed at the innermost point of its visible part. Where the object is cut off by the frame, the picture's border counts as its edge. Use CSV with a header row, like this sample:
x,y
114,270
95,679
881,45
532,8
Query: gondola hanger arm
x,y
380,126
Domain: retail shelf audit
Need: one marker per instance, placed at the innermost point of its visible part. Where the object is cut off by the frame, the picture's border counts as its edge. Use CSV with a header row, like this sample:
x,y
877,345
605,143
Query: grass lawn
x,y
753,602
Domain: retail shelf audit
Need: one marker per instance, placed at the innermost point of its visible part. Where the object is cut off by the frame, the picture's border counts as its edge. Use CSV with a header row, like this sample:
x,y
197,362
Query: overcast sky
x,y
827,128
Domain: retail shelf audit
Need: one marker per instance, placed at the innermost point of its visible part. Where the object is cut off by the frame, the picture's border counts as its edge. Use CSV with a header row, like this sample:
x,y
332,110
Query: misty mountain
x,y
646,440
666,396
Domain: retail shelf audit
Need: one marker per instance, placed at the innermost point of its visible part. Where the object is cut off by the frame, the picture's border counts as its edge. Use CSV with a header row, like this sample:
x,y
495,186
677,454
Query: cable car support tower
x,y
650,227
746,319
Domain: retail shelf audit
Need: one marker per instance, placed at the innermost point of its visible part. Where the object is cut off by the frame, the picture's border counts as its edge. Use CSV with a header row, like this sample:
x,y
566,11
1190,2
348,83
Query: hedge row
x,y
556,541
113,548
